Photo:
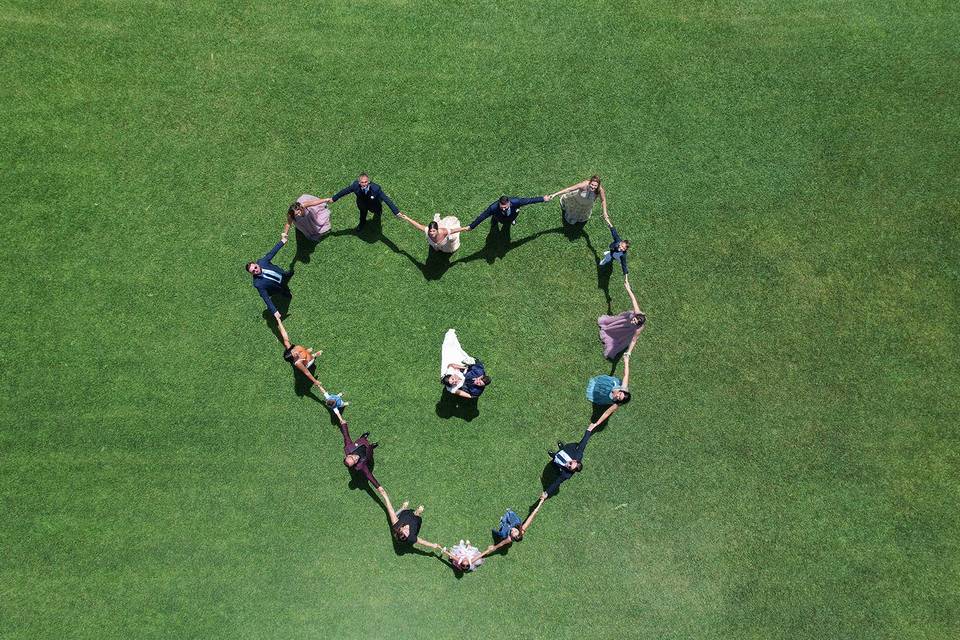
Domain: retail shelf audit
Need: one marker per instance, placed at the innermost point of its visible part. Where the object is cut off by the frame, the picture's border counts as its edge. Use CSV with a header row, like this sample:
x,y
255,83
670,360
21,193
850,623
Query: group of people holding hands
x,y
460,374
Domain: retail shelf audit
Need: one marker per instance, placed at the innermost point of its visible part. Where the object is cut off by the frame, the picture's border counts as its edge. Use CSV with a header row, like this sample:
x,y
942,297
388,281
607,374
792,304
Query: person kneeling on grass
x,y
405,524
511,529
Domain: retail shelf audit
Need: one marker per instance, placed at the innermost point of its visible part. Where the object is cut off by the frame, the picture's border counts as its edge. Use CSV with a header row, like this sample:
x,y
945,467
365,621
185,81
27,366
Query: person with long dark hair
x,y
405,524
621,330
441,233
511,528
610,391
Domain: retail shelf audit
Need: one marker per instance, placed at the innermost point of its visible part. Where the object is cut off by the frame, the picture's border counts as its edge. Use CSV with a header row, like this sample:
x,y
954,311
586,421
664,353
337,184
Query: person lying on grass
x,y
303,359
568,460
511,529
358,454
405,524
606,390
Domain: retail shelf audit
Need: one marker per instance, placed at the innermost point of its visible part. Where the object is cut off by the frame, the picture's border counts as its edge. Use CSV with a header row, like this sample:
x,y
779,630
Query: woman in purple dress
x,y
619,331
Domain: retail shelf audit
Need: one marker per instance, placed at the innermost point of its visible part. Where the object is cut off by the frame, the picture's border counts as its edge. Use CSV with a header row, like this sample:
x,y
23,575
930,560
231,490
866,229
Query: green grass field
x,y
786,171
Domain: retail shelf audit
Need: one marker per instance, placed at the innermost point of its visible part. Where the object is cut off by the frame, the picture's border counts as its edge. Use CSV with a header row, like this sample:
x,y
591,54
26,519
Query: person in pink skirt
x,y
620,331
310,216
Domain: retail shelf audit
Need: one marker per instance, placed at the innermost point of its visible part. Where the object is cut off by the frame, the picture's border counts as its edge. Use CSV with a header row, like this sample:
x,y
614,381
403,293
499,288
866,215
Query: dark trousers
x,y
364,212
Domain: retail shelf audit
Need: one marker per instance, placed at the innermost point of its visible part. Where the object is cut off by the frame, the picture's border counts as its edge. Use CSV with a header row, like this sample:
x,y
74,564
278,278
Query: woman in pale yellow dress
x,y
440,232
576,201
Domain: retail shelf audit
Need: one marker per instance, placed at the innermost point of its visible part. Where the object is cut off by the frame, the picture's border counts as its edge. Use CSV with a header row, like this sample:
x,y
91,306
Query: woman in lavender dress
x,y
310,215
610,391
616,332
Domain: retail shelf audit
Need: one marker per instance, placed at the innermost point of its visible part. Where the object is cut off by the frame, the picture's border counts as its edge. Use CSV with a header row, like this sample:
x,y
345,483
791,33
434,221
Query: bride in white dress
x,y
439,233
453,362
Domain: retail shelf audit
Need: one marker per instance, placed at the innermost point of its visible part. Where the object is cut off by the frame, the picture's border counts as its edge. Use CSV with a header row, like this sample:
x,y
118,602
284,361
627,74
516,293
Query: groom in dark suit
x,y
268,278
369,198
475,379
504,211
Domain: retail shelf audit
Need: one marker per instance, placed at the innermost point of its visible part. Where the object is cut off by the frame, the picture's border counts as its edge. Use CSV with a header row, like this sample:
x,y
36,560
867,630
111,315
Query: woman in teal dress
x,y
609,390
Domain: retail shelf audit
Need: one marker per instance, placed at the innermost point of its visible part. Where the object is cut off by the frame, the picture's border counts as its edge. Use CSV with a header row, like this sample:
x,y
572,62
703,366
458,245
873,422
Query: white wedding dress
x,y
452,353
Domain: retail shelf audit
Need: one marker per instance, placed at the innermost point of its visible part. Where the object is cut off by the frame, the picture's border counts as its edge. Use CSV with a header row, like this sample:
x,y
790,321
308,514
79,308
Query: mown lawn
x,y
786,171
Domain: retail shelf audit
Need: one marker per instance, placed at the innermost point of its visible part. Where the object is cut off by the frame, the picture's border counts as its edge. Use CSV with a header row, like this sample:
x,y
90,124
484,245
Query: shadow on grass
x,y
436,265
451,405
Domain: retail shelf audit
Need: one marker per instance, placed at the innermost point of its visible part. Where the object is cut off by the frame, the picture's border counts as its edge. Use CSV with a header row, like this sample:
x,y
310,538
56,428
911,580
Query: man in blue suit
x,y
475,380
268,278
504,211
369,198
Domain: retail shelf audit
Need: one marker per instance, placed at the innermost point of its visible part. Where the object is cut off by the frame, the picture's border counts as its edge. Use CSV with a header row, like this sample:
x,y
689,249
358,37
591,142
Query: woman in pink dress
x,y
310,215
619,331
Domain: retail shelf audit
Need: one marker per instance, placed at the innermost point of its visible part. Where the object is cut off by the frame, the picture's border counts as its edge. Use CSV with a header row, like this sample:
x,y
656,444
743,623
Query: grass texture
x,y
786,171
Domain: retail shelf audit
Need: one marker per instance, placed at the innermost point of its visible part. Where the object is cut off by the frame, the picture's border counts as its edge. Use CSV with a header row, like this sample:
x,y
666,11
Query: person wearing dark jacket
x,y
370,198
504,211
358,454
618,249
268,278
568,460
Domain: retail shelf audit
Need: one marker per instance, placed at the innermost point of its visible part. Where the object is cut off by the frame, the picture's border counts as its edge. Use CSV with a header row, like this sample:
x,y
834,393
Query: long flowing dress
x,y
315,221
466,551
452,353
599,389
452,242
578,205
616,332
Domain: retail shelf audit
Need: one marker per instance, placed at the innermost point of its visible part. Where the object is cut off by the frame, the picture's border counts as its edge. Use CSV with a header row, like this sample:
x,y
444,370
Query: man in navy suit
x,y
268,278
504,211
369,198
475,379
568,460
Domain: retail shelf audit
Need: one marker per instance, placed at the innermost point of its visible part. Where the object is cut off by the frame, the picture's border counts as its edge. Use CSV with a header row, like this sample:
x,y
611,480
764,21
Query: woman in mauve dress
x,y
616,332
577,200
310,215
441,232
610,391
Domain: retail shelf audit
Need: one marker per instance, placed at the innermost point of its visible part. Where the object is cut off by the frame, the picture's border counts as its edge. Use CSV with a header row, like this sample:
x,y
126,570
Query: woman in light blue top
x,y
609,390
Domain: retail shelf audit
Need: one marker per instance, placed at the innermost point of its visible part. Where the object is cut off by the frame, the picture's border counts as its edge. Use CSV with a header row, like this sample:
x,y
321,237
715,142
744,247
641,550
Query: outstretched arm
x,y
412,222
315,202
633,298
555,485
276,247
483,216
427,543
386,501
305,371
347,189
572,187
533,514
394,208
282,329
603,204
494,547
522,202
626,361
606,414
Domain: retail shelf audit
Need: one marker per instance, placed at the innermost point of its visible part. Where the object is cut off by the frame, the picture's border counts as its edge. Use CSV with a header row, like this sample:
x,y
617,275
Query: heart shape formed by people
x,y
464,377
